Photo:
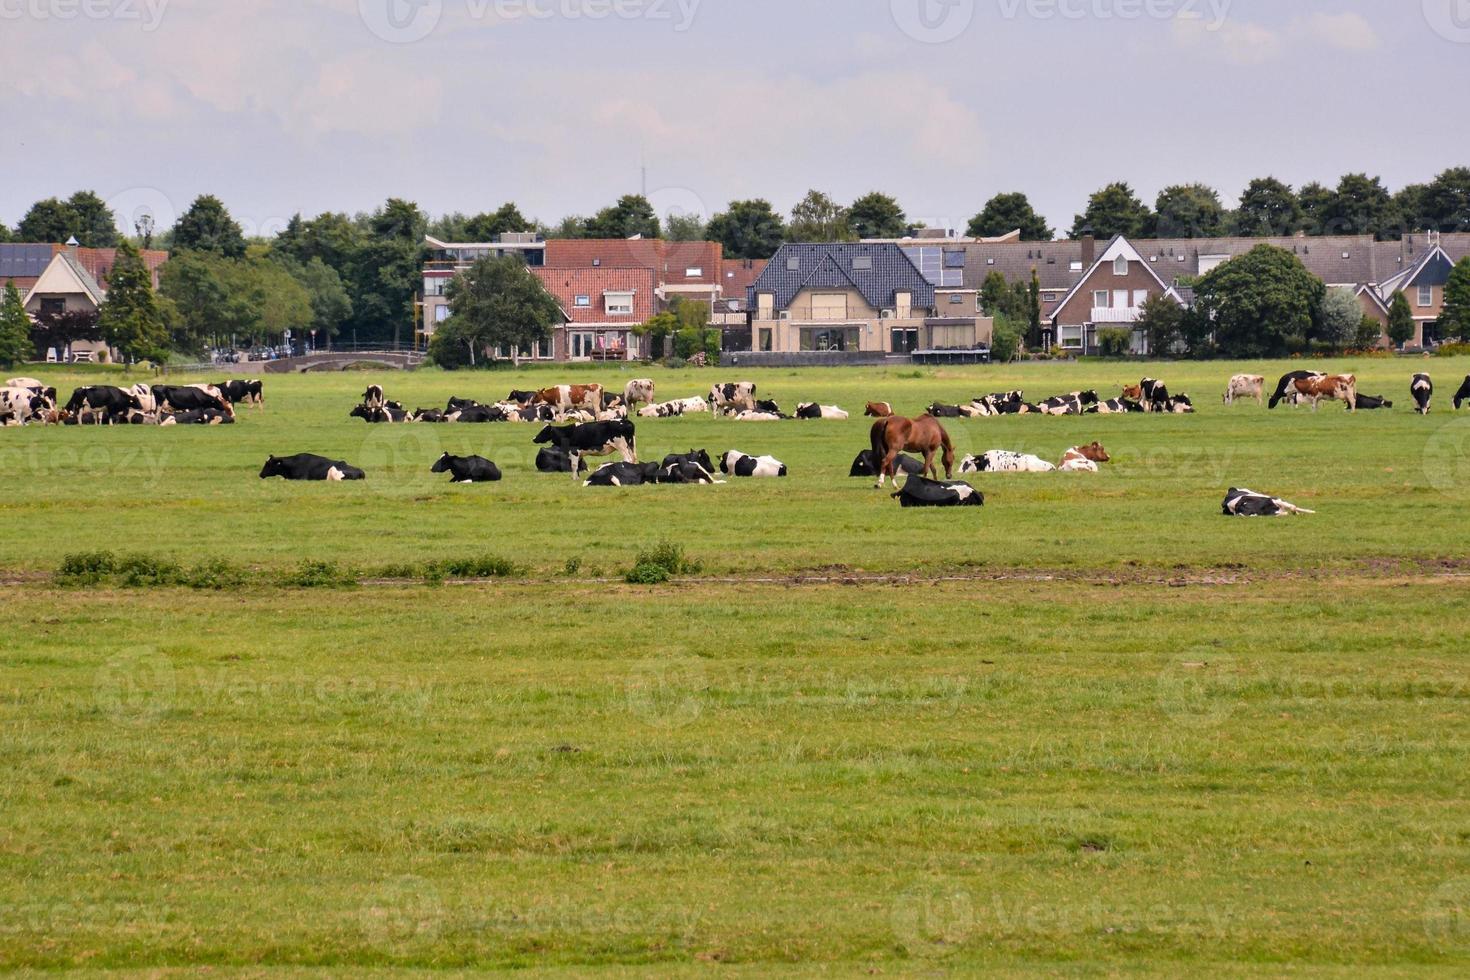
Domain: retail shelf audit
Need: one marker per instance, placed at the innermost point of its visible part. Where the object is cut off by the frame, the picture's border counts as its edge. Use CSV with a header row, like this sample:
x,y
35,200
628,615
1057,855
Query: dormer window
x,y
1120,266
582,300
793,264
862,263
693,272
596,263
619,304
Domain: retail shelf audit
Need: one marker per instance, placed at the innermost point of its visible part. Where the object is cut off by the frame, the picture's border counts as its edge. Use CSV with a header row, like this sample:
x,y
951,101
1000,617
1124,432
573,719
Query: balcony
x,y
1126,314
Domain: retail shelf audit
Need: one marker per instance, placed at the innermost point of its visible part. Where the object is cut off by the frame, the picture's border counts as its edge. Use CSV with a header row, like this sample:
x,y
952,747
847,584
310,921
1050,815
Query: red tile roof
x,y
671,261
567,284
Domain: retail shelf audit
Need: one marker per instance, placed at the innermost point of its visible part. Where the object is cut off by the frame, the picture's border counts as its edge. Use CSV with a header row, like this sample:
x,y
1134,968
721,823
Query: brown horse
x,y
924,434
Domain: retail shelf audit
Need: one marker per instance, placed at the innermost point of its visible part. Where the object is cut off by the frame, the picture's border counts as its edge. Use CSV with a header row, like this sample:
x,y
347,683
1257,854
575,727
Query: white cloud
x,y
1237,42
1346,31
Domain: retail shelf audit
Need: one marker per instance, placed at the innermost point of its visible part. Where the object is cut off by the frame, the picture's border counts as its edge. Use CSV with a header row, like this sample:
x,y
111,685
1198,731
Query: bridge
x,y
341,360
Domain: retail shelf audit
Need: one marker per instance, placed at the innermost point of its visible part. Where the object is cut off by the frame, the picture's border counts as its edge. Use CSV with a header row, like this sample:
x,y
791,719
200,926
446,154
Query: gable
x,y
64,277
1102,275
878,271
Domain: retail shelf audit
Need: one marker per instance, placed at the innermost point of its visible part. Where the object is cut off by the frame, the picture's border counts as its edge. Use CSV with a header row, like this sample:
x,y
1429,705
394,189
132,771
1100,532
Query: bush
x,y
641,574
471,568
1459,349
662,563
319,575
215,574
143,571
1114,341
1005,343
86,568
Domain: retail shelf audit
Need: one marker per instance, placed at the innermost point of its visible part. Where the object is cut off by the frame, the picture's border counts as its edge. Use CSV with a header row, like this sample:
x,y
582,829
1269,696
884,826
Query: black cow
x,y
305,466
198,416
467,469
698,457
428,415
101,401
593,439
190,398
1287,385
1372,403
920,492
553,459
1423,391
685,472
809,412
455,404
477,415
378,415
243,392
945,411
1248,503
522,397
624,475
1463,395
866,466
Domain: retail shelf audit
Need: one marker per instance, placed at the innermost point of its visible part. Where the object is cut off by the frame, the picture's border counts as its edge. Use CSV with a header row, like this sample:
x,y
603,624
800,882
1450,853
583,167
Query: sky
x,y
286,106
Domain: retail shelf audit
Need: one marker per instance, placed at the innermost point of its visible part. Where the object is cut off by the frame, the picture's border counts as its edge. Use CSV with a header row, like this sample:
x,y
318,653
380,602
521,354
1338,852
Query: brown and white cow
x,y
565,398
1333,387
640,392
878,410
1244,386
1084,459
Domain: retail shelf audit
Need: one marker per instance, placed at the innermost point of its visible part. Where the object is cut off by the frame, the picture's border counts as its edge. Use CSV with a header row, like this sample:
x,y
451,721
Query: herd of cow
x,y
25,401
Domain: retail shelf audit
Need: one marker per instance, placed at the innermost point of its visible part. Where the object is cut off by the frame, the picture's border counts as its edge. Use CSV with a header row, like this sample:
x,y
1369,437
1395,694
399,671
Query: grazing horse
x,y
924,434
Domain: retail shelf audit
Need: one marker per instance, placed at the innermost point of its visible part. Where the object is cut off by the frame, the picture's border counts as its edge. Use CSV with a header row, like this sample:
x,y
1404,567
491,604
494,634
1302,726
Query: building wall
x,y
1078,310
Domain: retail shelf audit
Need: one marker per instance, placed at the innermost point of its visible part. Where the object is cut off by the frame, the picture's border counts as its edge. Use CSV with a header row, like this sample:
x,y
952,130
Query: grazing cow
x,y
553,459
566,398
878,410
1244,386
1463,395
811,410
919,492
306,466
1002,461
476,415
735,463
377,416
467,469
191,398
1248,503
1084,459
373,397
195,416
1423,391
243,392
1333,387
1368,403
101,400
686,473
1077,403
737,397
1286,387
866,464
593,439
895,435
696,457
623,475
639,392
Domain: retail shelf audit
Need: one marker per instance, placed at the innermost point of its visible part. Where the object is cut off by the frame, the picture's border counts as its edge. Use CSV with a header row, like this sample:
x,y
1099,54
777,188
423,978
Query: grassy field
x,y
1093,728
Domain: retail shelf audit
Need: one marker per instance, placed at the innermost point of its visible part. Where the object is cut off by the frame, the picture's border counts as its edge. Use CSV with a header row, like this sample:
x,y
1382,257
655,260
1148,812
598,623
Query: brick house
x,y
601,307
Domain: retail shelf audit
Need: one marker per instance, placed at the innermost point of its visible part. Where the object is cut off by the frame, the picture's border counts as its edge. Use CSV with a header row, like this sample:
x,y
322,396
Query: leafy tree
x,y
1260,304
494,302
684,227
1370,334
1190,211
1316,203
1268,208
1114,341
572,226
1340,317
61,330
1033,296
16,346
206,307
1162,321
877,215
51,220
1400,320
818,218
399,220
1004,213
96,224
5,234
1455,319
505,220
748,230
994,294
1361,206
1412,205
331,306
632,216
1446,204
333,238
208,227
1005,343
1115,210
129,317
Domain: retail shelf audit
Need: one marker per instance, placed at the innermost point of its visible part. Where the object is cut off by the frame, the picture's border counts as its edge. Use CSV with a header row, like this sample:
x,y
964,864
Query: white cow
x,y
640,392
735,463
1244,386
1002,461
811,410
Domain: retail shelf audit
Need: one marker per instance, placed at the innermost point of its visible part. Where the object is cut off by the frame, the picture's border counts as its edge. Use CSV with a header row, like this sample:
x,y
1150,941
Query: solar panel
x,y
23,261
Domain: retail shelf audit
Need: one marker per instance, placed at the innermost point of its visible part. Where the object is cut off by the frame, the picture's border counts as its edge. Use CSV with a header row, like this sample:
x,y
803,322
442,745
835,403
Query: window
x,y
821,339
583,300
990,261
1100,299
955,299
793,264
1070,337
829,306
596,263
954,260
1076,266
619,304
693,272
1426,295
1140,296
1120,266
441,313
53,307
1049,297
862,263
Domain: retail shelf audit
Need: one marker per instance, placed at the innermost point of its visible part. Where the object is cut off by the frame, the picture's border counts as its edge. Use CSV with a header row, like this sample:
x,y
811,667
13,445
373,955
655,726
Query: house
x,y
858,298
1423,284
601,307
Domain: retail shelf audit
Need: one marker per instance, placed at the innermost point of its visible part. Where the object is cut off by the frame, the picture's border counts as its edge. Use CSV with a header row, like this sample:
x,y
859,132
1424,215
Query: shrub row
x,y
149,571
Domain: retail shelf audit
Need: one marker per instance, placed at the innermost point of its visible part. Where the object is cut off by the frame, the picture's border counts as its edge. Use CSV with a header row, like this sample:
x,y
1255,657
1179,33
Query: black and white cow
x,y
1369,403
556,460
373,397
624,475
191,398
698,457
306,466
21,405
593,439
378,415
1286,387
1423,392
429,415
866,465
1248,503
39,387
920,492
522,397
456,404
811,410
684,472
1178,405
101,402
476,415
467,469
197,416
1155,395
1077,403
1005,461
1000,403
736,463
243,392
1463,395
1119,406
738,397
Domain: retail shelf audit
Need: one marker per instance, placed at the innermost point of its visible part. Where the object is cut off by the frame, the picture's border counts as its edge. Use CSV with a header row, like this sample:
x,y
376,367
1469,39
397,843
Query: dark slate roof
x,y
23,261
830,267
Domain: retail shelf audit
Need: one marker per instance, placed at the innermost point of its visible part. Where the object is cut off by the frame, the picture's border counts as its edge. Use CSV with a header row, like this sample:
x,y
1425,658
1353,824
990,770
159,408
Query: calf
x,y
101,401
1246,386
810,410
738,464
639,392
1084,459
1286,387
882,410
467,469
624,475
521,397
920,492
1002,461
739,396
1423,392
1463,395
593,439
866,464
243,392
1333,387
305,466
1248,503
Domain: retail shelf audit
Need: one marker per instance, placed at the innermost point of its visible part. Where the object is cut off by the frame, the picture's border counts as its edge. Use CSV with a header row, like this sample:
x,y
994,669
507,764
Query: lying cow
x,y
1248,503
921,492
1003,461
1000,403
306,466
758,417
378,415
467,469
429,415
1077,403
739,396
1369,403
674,409
866,464
1119,406
736,463
593,439
1244,386
811,410
1178,405
1331,387
197,416
1084,459
939,411
624,475
101,402
553,459
476,415
1422,389
696,457
1286,387
686,473
882,410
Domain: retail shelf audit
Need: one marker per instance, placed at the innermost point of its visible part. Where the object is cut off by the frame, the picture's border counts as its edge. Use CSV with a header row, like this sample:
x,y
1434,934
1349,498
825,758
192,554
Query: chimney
x,y
1089,247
